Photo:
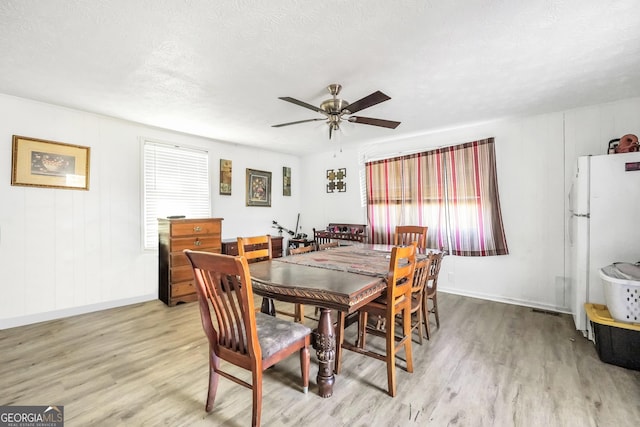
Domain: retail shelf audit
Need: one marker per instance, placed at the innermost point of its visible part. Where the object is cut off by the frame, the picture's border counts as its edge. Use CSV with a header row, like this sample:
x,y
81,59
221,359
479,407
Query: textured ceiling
x,y
216,69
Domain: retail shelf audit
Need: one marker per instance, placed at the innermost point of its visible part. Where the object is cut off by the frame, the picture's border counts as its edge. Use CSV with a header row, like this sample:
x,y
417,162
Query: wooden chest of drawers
x,y
230,246
175,278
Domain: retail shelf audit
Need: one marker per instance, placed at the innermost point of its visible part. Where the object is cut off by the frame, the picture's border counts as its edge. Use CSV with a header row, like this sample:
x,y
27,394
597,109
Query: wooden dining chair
x,y
431,292
420,278
396,302
240,335
407,234
258,248
299,308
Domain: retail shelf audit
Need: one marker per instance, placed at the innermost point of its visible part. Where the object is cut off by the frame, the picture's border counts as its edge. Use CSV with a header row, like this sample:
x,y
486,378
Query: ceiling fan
x,y
335,110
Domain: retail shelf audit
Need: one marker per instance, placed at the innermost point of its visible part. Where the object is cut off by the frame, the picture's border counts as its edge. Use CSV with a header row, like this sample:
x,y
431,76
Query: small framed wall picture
x,y
225,177
258,188
286,181
336,180
42,163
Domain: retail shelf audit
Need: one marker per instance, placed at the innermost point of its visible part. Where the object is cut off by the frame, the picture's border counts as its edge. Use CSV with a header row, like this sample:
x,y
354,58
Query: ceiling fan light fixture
x,y
334,125
335,108
334,105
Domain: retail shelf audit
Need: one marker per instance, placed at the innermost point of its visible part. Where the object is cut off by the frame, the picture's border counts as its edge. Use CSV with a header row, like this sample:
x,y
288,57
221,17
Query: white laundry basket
x,y
622,291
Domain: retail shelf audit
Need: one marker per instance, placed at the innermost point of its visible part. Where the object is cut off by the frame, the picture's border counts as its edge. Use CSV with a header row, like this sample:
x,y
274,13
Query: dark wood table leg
x,y
268,307
325,344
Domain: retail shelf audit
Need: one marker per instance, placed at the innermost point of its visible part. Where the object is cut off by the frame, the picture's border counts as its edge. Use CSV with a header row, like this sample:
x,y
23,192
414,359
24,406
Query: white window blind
x,y
176,182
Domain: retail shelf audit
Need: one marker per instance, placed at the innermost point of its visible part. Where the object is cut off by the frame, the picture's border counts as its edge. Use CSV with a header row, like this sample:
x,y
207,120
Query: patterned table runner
x,y
370,261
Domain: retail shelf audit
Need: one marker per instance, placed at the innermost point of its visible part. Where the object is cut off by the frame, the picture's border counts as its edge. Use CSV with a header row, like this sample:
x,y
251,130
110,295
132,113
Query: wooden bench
x,y
337,231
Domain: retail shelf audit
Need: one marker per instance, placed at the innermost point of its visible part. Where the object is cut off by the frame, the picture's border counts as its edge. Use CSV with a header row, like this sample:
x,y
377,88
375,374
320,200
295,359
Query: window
x,y
452,190
176,182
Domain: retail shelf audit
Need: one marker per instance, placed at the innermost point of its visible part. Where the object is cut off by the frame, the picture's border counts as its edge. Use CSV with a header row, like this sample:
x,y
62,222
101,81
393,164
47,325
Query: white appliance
x,y
604,227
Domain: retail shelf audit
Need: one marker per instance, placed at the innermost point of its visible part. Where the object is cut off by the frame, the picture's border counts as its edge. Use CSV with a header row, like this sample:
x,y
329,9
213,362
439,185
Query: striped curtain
x,y
451,190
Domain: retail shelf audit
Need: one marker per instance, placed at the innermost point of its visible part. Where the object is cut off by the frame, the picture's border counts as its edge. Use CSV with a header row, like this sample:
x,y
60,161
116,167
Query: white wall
x,y
65,252
534,160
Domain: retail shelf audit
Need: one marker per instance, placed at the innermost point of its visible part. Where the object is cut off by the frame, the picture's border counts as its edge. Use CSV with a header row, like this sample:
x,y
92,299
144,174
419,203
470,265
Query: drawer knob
x,y
197,228
197,242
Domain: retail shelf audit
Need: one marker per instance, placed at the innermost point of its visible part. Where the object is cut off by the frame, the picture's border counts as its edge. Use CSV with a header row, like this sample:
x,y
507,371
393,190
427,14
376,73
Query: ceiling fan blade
x,y
302,104
295,123
374,122
366,102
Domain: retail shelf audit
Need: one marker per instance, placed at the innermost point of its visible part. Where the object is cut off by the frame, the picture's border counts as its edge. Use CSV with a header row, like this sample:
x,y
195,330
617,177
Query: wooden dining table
x,y
342,279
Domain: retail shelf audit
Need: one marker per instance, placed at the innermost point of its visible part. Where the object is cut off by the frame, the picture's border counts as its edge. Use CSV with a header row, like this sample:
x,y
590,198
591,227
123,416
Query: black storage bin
x,y
617,343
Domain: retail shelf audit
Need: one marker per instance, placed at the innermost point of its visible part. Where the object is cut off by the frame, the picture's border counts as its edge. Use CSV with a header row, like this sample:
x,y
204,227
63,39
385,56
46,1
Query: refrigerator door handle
x,y
570,198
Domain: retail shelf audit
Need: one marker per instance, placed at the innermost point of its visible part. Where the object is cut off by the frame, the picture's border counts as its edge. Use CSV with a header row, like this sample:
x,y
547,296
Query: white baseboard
x,y
514,301
72,311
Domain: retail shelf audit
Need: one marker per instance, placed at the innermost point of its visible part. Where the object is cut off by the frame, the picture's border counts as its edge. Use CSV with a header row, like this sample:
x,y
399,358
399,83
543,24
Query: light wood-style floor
x,y
489,364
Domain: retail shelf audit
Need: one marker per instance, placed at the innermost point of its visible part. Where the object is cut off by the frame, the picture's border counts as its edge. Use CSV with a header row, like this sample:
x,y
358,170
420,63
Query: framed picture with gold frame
x,y
286,181
258,188
51,164
225,177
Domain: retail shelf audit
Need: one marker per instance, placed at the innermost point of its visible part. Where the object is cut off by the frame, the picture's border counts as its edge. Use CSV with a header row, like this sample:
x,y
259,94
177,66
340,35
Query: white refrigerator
x,y
604,225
